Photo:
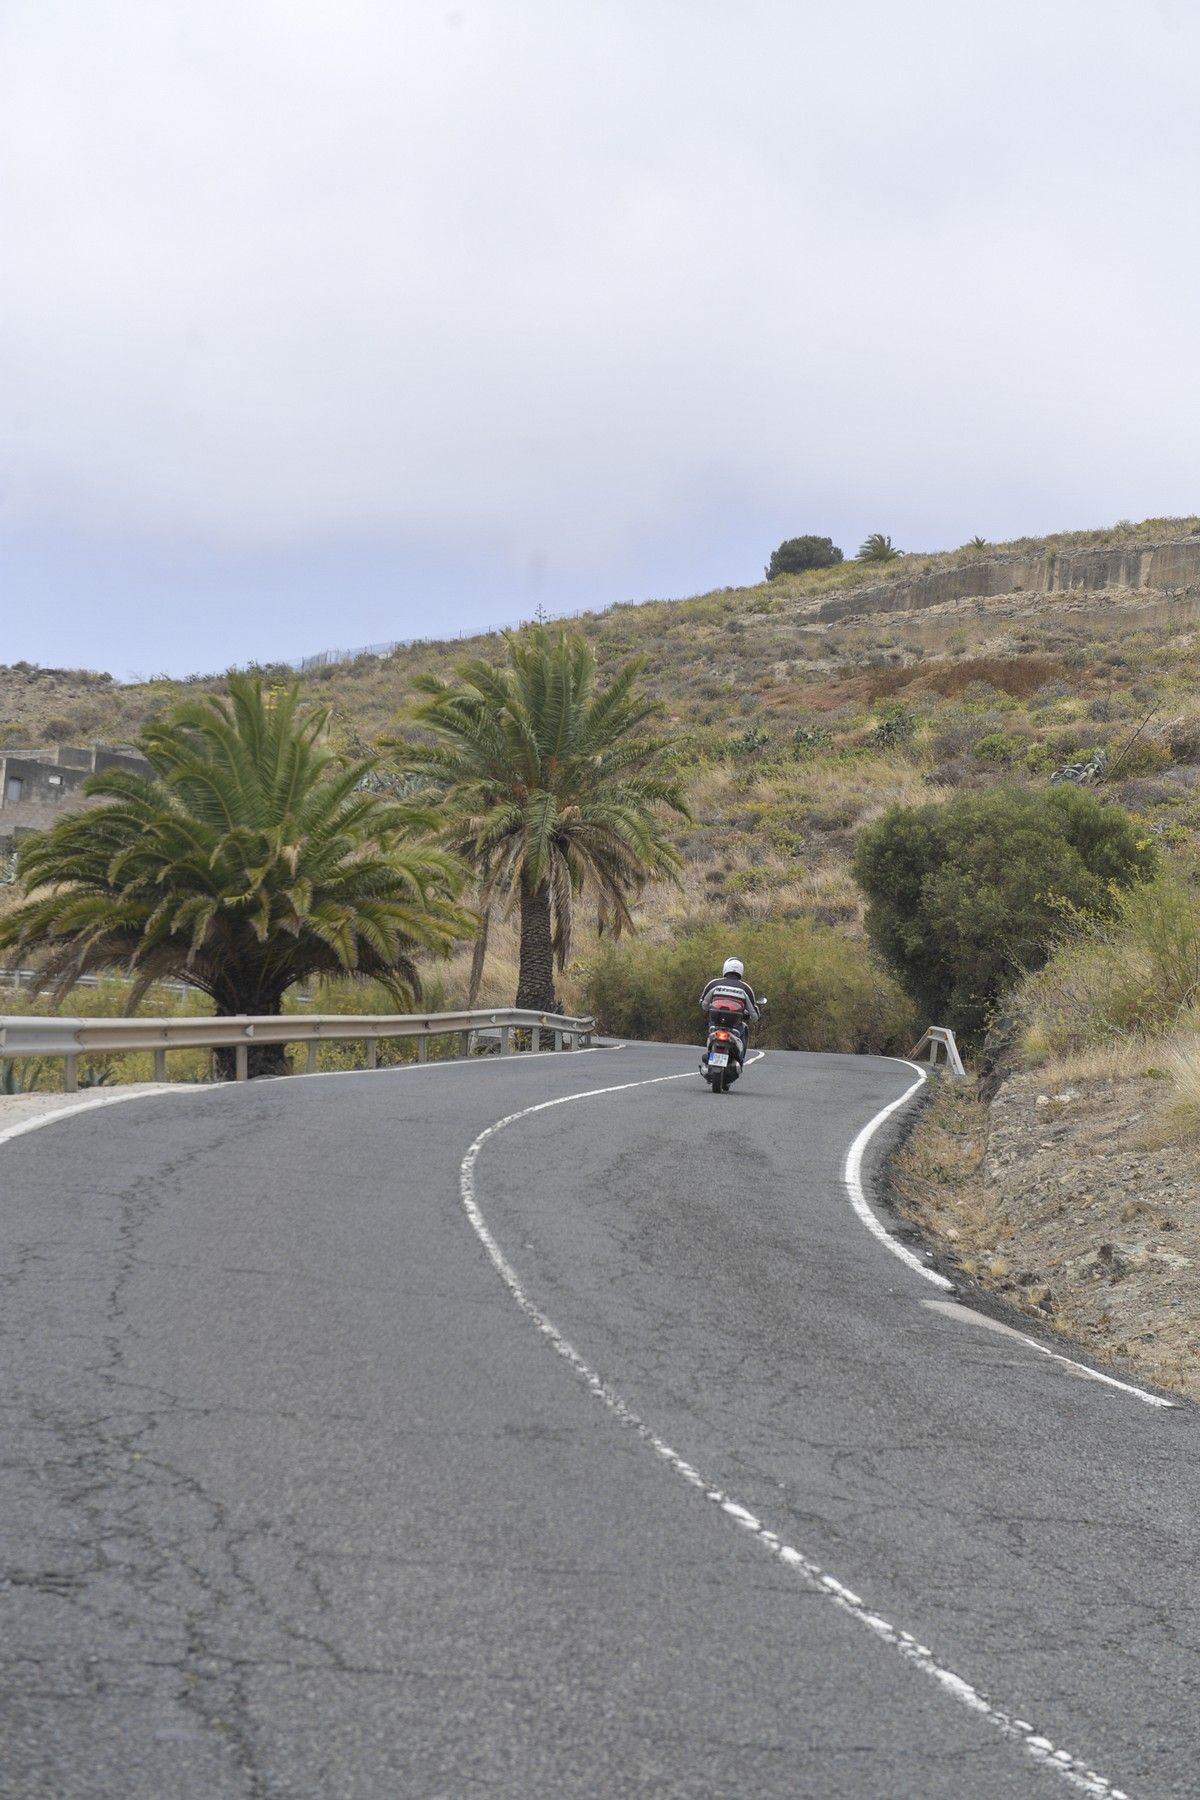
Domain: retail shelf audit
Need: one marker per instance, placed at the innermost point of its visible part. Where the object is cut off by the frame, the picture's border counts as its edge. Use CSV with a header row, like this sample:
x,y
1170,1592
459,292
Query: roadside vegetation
x,y
1066,1180
252,859
550,789
825,992
793,733
966,896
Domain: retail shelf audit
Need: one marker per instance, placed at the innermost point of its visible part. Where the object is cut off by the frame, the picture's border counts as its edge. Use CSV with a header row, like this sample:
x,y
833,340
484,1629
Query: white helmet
x,y
732,966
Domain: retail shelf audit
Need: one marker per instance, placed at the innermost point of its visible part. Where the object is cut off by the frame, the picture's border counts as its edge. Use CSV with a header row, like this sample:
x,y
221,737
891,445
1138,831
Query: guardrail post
x,y
241,1058
160,1065
505,1039
372,1053
558,1039
71,1075
310,1059
464,1038
423,1048
940,1038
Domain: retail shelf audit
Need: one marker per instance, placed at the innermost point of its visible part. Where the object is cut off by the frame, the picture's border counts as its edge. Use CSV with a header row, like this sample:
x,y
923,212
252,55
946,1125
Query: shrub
x,y
807,740
825,994
965,897
797,554
1183,739
898,725
747,743
1001,747
1133,975
1143,756
877,548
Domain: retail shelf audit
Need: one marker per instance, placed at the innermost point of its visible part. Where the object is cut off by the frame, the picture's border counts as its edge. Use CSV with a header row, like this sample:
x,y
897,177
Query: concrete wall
x,y
1172,568
39,786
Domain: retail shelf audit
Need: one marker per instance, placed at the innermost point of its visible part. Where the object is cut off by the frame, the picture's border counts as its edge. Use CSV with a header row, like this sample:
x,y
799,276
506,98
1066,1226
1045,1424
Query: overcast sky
x,y
330,323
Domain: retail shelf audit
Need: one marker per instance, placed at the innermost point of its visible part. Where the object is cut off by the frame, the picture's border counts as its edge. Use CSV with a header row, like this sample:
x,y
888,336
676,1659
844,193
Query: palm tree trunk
x,y
264,1059
535,982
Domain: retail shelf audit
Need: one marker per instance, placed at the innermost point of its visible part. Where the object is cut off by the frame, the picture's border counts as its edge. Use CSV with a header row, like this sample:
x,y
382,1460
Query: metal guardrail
x,y
18,978
940,1037
72,1038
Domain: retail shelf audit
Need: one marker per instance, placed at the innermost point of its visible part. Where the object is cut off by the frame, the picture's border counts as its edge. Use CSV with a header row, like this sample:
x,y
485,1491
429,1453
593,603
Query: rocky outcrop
x,y
1171,568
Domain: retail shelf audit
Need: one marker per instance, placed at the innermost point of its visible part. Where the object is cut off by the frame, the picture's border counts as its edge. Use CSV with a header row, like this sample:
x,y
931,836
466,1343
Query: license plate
x,y
717,1062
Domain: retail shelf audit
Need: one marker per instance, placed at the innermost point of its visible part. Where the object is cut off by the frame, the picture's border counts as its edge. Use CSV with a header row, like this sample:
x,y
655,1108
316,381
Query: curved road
x,y
312,1484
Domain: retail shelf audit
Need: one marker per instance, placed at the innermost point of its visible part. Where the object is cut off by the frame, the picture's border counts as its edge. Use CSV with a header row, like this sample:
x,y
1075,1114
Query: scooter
x,y
728,1027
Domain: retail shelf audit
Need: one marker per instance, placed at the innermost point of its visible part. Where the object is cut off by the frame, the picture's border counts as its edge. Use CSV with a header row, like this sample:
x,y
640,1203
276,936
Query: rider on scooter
x,y
733,976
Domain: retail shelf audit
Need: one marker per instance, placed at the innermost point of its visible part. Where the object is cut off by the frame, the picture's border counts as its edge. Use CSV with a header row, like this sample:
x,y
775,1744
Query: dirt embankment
x,y
1064,1201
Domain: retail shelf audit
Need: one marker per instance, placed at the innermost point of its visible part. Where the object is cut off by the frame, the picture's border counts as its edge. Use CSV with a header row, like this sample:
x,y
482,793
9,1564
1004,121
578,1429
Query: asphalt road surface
x,y
314,1484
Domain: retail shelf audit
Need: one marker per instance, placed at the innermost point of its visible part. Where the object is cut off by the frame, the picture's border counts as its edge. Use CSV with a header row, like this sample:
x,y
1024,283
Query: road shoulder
x,y
1055,1202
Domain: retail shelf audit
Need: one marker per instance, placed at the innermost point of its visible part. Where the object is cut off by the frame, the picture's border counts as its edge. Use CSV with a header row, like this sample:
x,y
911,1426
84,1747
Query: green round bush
x,y
967,897
796,555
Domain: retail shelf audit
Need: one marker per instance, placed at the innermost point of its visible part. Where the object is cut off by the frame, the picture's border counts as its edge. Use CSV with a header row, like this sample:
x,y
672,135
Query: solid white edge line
x,y
852,1177
1061,1762
968,1315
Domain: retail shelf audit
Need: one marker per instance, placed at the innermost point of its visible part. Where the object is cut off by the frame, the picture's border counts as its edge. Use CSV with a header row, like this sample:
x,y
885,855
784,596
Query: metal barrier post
x,y
71,1075
241,1058
160,1065
940,1038
372,1053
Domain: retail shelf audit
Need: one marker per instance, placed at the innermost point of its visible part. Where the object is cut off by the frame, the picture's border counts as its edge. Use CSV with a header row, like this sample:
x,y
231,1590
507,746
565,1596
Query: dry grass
x,y
1119,1059
938,1172
1178,1119
773,834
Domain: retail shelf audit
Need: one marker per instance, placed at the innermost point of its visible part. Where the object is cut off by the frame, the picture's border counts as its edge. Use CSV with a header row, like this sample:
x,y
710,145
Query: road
x,y
328,1473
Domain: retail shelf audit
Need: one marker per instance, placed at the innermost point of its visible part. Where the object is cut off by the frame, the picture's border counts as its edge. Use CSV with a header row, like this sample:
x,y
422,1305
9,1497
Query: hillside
x,y
810,704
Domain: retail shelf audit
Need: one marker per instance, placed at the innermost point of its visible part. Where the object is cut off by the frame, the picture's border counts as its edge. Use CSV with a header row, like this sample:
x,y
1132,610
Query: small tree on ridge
x,y
797,554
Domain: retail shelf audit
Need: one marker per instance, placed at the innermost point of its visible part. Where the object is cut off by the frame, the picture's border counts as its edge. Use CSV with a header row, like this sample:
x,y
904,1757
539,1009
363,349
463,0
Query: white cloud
x,y
540,278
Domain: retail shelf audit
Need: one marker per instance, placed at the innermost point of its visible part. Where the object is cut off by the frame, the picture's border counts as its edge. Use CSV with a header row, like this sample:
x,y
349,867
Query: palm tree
x,y
252,858
877,548
552,788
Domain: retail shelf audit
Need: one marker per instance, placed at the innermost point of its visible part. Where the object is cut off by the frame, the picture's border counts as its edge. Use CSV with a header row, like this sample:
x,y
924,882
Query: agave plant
x,y
551,787
252,858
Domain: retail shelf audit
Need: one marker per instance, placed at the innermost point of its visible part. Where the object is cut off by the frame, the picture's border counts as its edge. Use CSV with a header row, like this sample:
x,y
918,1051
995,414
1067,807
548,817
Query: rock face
x,y
1171,569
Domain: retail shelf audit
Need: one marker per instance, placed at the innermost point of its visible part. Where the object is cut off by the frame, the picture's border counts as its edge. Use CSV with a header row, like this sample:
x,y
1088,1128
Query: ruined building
x,y
37,786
